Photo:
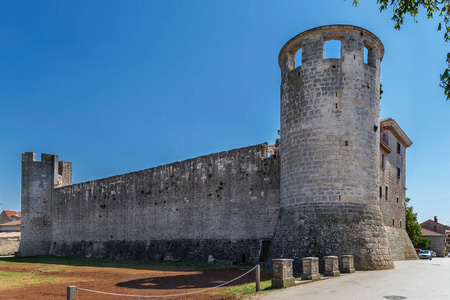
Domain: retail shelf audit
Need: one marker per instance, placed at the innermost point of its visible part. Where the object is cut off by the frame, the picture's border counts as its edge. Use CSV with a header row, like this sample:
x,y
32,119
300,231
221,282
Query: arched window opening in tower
x,y
298,58
366,55
371,54
332,48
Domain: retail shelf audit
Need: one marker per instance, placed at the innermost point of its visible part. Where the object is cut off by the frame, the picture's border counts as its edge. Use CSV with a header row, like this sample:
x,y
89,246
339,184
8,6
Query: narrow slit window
x,y
393,222
381,192
298,58
366,55
386,194
399,148
332,49
399,172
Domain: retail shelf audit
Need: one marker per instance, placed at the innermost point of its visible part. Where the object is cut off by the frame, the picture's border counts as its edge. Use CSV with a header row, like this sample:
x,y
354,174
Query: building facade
x,y
9,216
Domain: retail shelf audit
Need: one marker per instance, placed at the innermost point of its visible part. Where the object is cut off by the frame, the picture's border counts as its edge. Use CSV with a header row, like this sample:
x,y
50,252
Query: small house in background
x,y
437,241
9,237
13,226
435,226
9,216
437,233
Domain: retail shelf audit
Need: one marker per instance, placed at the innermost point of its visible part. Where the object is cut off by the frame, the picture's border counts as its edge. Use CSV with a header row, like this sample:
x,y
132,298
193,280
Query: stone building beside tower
x,y
333,184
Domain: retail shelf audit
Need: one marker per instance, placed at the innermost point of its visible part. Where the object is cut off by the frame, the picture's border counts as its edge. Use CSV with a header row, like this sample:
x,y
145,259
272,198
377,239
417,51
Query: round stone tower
x,y
329,148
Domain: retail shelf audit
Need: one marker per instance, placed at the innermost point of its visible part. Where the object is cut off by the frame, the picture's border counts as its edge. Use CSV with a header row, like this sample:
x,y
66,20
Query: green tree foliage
x,y
413,228
441,8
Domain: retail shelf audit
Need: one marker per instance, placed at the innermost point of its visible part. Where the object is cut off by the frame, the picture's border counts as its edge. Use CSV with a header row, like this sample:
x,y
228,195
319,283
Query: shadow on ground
x,y
201,279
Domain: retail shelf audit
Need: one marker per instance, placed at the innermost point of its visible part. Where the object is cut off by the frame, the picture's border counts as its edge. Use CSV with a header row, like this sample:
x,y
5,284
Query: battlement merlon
x,y
45,158
62,171
286,58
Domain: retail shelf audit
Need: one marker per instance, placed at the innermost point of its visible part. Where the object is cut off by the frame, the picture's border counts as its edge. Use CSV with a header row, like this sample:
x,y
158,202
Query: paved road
x,y
418,280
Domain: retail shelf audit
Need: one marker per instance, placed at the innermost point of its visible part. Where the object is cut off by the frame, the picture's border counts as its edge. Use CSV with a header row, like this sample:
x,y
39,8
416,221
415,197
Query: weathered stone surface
x,y
400,244
225,204
310,268
348,264
282,273
329,149
8,247
331,266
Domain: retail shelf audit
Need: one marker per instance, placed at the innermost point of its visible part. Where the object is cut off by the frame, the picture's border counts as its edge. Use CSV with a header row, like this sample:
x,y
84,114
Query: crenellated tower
x,y
39,178
330,148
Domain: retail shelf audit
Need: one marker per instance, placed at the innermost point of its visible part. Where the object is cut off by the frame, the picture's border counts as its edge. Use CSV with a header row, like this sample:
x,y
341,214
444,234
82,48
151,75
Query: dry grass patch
x,y
16,280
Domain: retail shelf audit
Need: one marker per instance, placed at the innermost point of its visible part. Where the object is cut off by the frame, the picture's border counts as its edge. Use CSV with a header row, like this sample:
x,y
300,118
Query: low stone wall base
x,y
400,244
311,277
332,229
351,270
332,273
283,283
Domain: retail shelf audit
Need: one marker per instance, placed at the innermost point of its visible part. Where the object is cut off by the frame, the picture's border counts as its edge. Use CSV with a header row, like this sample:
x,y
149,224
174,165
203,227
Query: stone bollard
x,y
331,266
283,275
348,265
310,268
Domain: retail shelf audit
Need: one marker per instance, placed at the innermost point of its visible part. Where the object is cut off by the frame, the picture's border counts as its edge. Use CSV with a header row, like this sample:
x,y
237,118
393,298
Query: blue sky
x,y
120,86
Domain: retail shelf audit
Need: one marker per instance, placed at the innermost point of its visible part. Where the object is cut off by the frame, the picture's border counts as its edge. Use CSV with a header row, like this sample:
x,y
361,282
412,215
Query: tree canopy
x,y
441,8
414,229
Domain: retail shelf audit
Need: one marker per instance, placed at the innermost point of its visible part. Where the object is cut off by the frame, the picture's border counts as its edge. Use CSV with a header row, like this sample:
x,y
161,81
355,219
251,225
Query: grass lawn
x,y
15,280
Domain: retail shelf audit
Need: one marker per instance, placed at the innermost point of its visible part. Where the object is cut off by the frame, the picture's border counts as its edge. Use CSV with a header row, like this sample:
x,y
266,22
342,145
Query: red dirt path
x,y
125,281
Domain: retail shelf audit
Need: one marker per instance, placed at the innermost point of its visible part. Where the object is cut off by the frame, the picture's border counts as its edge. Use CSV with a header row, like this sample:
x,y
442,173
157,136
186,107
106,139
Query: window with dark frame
x,y
398,172
386,194
381,192
399,148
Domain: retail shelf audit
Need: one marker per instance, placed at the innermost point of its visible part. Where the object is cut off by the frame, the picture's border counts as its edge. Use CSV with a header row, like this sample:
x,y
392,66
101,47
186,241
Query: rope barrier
x,y
162,296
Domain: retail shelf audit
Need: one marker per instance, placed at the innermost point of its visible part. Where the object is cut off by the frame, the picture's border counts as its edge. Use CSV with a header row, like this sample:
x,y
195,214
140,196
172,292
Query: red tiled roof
x,y
12,213
426,232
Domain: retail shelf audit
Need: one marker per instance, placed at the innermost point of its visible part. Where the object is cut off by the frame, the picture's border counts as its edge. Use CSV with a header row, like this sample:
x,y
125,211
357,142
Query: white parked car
x,y
425,254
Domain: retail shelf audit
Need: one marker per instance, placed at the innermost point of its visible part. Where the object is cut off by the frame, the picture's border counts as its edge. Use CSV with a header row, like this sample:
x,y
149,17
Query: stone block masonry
x,y
331,266
224,204
330,148
348,265
315,195
283,275
310,268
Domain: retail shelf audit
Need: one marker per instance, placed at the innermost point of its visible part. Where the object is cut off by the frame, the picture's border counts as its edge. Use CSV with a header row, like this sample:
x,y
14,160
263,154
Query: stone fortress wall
x,y
225,204
317,194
